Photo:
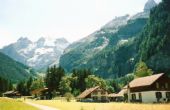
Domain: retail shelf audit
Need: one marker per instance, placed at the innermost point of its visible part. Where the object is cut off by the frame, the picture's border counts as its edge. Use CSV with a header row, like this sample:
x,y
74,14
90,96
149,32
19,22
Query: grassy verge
x,y
62,105
11,104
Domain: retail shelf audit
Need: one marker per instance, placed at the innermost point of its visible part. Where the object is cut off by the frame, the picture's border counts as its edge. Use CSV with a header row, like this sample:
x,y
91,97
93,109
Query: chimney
x,y
128,92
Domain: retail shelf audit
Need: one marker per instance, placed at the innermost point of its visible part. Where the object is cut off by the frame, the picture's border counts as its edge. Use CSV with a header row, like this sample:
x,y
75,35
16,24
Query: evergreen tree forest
x,y
5,85
155,39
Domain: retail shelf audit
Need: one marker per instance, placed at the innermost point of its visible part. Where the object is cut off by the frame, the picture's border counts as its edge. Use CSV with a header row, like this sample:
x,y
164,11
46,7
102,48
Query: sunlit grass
x,y
63,105
11,104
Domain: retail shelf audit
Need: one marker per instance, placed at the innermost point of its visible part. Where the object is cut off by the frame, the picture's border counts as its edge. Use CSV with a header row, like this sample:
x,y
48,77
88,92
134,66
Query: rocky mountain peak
x,y
149,5
40,54
116,22
23,39
22,42
40,42
61,40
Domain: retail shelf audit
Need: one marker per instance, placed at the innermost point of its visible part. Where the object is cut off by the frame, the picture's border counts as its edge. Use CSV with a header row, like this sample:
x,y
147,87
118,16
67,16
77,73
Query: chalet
x,y
12,94
150,89
42,93
95,94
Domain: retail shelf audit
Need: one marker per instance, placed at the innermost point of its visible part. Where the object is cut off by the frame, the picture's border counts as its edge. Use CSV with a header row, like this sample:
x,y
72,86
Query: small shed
x,y
41,93
12,94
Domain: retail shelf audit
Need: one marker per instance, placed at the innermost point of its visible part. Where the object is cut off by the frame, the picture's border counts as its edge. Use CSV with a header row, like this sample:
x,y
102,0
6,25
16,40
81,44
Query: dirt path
x,y
41,107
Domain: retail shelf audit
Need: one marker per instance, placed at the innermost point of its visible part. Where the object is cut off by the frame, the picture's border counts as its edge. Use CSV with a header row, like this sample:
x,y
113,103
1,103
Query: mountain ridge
x,y
36,54
100,51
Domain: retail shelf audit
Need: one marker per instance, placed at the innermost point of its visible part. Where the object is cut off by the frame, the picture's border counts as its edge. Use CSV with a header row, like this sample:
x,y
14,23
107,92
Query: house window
x,y
95,98
140,96
133,96
168,95
103,98
166,85
95,93
157,85
103,92
158,95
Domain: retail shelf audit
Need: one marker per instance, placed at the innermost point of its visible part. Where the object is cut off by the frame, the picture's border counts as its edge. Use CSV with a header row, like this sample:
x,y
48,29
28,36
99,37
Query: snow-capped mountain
x,y
39,54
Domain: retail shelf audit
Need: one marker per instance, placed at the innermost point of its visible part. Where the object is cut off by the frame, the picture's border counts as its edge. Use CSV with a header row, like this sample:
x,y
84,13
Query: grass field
x,y
10,104
62,105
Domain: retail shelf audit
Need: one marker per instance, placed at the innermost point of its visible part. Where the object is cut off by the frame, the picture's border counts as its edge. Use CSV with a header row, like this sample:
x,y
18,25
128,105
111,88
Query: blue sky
x,y
72,19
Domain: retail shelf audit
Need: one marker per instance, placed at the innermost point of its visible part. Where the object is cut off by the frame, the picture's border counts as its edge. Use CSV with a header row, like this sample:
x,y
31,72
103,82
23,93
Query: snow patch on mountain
x,y
105,43
123,41
39,54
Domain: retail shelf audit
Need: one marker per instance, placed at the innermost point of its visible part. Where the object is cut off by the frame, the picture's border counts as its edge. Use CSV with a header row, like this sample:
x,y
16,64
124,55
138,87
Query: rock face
x,y
149,5
39,54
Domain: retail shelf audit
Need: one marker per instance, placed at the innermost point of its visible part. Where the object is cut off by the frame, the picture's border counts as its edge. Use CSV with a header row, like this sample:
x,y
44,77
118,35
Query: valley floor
x,y
63,105
11,104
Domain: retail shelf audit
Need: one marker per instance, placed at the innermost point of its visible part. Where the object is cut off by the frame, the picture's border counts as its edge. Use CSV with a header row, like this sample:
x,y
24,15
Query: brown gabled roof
x,y
114,95
37,91
11,93
87,92
144,81
120,94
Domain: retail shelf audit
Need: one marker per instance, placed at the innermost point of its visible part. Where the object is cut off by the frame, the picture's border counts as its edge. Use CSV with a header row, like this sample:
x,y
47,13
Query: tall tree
x,y
5,85
37,83
80,76
64,86
93,80
21,88
53,77
142,70
28,85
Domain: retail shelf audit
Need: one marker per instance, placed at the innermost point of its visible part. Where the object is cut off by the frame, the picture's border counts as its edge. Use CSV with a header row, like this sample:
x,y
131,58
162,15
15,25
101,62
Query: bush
x,y
68,96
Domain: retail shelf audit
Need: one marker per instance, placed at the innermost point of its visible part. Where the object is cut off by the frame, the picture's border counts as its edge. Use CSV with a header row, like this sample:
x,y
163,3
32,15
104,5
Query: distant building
x,y
95,94
42,93
12,94
116,97
150,89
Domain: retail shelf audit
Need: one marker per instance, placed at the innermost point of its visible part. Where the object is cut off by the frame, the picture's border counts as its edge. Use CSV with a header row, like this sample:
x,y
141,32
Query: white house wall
x,y
149,96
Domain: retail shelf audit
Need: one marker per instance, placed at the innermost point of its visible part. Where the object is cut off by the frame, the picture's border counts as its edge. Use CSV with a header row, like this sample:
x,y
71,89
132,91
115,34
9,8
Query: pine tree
x,y
53,77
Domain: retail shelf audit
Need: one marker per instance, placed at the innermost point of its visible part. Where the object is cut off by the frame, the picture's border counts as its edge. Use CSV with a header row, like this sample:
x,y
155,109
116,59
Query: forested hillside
x,y
111,53
155,38
119,57
13,70
133,40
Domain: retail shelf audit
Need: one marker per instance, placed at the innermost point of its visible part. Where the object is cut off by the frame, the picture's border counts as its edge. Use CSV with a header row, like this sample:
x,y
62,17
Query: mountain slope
x,y
111,56
155,38
13,70
79,52
39,54
111,51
